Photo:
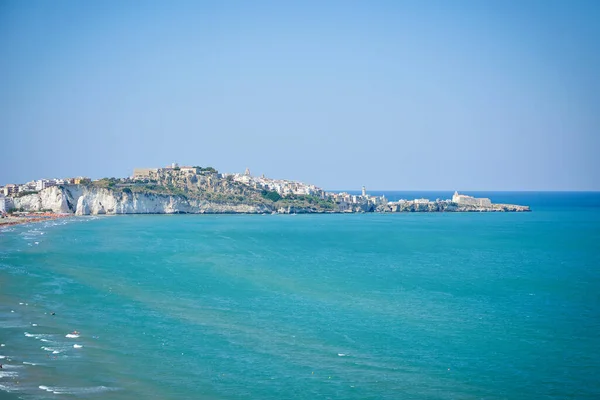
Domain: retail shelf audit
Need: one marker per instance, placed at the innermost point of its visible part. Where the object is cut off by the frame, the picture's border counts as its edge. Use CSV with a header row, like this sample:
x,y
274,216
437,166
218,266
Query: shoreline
x,y
36,218
31,218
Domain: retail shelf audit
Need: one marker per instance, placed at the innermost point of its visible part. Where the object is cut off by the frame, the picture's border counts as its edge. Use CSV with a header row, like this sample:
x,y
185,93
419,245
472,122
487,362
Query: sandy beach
x,y
30,217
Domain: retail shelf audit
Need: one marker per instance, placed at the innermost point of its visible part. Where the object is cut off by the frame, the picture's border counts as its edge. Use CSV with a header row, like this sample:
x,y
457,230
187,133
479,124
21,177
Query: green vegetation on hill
x,y
25,193
209,170
106,182
271,195
208,185
307,201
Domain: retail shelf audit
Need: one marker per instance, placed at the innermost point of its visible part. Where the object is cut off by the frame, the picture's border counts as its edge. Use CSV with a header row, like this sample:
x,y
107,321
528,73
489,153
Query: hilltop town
x,y
195,189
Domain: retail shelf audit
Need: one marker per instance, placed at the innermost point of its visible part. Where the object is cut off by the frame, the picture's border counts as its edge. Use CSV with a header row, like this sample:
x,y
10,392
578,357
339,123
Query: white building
x,y
2,204
190,170
421,201
462,199
43,184
11,189
144,173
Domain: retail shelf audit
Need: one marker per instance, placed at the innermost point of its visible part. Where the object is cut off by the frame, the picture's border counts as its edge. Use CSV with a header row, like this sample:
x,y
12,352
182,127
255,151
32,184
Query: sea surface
x,y
362,306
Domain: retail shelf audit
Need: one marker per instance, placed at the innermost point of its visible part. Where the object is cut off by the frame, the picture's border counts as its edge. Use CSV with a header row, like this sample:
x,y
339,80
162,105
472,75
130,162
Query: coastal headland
x,y
197,190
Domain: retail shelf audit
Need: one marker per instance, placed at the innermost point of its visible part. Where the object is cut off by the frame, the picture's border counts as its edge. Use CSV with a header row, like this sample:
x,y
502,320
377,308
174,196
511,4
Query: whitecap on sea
x,y
8,374
76,390
7,388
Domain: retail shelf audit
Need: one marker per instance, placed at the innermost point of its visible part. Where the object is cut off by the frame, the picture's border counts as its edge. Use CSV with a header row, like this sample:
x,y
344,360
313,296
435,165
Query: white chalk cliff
x,y
82,200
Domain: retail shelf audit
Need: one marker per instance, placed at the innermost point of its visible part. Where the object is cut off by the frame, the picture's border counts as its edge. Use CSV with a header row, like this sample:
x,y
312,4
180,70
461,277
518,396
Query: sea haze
x,y
361,306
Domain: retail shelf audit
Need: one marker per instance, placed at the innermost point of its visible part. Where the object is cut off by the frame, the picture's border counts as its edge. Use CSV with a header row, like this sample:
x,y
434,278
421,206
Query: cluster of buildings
x,y
13,189
153,173
458,199
353,199
282,186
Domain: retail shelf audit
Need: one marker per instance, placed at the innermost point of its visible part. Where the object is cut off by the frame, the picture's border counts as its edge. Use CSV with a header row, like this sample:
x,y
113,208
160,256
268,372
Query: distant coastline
x,y
198,190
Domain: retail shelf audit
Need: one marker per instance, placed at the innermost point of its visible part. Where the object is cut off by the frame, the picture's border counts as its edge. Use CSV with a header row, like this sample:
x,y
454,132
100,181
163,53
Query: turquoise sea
x,y
364,306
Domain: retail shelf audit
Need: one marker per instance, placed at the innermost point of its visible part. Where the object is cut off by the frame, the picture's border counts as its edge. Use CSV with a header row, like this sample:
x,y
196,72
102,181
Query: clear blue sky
x,y
414,95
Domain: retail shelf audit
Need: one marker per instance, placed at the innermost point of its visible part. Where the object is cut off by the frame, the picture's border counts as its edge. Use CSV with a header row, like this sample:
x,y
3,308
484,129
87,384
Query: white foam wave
x,y
341,355
76,390
29,363
44,335
1,357
7,388
8,374
77,346
9,366
71,336
33,324
41,336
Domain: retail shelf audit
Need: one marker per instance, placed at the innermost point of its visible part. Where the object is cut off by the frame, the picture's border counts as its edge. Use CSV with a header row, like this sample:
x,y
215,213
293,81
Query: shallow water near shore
x,y
365,306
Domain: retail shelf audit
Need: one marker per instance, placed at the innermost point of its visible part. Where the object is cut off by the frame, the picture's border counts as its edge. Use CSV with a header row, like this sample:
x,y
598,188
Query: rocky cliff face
x,y
91,200
53,198
82,200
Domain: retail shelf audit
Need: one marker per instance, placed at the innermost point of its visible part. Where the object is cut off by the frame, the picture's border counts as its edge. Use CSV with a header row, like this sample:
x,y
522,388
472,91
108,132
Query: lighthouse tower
x,y
364,192
456,197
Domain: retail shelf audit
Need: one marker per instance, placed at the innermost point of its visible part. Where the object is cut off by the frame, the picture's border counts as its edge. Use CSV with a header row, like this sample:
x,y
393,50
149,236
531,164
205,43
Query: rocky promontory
x,y
93,200
448,206
196,190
